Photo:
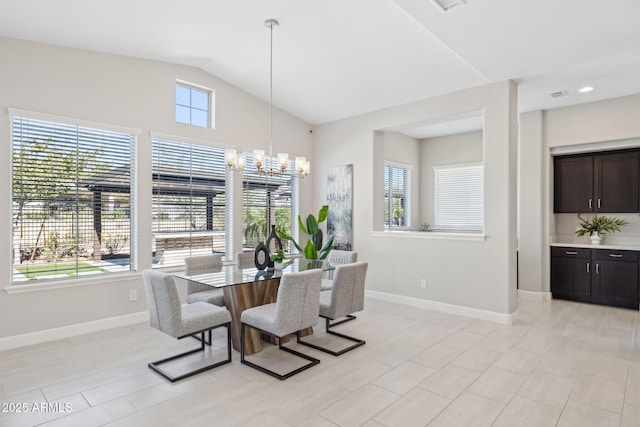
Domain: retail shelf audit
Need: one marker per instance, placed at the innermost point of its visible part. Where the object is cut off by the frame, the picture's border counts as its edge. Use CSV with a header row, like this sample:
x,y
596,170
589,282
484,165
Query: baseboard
x,y
534,296
53,334
476,313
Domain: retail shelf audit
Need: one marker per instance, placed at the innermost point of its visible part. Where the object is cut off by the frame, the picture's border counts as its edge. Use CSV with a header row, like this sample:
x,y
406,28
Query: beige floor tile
x,y
578,414
437,356
520,361
416,408
599,392
547,388
481,327
360,406
499,340
633,384
606,367
498,384
477,358
469,410
461,340
403,378
450,381
630,416
537,341
318,421
94,416
561,363
528,413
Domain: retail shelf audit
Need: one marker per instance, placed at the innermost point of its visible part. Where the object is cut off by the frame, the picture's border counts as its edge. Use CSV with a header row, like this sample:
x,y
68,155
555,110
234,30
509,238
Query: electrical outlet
x,y
133,295
423,283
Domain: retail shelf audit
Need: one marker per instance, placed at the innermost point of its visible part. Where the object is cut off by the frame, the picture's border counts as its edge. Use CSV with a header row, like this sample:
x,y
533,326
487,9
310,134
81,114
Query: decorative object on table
x,y
313,249
599,225
266,166
274,244
261,256
425,227
277,258
340,202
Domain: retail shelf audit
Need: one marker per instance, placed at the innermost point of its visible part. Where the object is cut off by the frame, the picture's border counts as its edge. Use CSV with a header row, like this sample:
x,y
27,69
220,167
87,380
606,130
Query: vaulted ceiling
x,y
339,58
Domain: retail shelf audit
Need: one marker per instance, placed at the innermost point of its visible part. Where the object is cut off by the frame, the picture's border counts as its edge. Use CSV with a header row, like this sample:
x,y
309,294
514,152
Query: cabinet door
x,y
616,182
573,184
570,277
615,278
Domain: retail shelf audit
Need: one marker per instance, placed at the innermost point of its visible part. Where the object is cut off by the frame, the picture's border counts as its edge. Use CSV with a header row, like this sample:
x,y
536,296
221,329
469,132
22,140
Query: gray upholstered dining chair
x,y
295,309
197,292
337,257
245,259
345,297
168,315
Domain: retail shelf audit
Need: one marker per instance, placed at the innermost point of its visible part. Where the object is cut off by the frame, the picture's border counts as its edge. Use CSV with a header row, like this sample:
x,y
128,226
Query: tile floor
x,y
562,364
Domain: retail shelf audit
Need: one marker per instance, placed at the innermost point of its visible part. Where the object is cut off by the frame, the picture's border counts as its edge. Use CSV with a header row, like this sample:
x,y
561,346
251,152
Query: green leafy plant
x,y
600,224
278,256
314,248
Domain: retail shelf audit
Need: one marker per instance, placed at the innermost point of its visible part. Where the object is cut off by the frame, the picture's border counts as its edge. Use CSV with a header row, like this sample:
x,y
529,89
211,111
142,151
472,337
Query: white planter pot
x,y
596,238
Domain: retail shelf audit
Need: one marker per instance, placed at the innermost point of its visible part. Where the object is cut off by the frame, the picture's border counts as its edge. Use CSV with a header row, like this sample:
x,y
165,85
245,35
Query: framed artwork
x,y
340,201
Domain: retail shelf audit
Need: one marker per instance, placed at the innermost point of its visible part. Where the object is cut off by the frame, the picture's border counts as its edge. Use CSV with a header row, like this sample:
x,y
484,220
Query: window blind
x,y
267,200
71,200
459,199
396,196
189,209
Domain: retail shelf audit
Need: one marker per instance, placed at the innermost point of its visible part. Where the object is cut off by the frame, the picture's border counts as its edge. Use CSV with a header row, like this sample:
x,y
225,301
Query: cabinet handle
x,y
590,203
599,204
597,268
573,253
615,255
588,264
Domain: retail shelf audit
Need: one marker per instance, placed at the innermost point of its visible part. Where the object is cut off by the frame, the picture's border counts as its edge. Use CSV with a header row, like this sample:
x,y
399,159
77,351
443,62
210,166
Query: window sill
x,y
431,235
71,283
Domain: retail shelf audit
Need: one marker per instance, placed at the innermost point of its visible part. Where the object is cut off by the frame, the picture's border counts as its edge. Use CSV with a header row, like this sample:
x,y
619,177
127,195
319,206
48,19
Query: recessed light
x,y
586,89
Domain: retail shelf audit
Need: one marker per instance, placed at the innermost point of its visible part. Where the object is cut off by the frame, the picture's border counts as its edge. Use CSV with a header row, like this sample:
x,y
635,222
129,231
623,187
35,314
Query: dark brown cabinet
x,y
600,276
605,182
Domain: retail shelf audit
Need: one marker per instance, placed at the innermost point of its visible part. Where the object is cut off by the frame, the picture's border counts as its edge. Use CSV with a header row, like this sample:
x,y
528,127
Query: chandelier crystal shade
x,y
269,165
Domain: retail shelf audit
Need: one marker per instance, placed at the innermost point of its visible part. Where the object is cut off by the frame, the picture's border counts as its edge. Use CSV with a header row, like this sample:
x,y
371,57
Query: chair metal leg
x,y
173,378
200,338
328,325
312,361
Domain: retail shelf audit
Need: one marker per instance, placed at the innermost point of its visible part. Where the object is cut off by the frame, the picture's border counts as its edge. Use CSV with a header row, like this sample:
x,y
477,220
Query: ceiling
x,y
340,58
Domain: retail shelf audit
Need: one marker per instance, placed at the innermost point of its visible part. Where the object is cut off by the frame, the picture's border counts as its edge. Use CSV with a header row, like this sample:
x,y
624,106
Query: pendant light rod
x,y
270,23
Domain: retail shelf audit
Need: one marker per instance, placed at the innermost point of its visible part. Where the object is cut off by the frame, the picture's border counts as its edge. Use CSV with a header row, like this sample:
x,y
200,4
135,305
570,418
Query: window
x,y
189,207
459,198
396,196
192,105
71,200
266,200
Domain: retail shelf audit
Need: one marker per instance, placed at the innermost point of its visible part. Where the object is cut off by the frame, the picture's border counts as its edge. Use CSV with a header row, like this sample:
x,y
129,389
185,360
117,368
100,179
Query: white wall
x,y
608,124
480,275
440,151
127,92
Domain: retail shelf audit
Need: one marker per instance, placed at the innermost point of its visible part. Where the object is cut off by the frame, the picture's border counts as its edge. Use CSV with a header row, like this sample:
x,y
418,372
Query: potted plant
x,y
278,259
599,225
313,249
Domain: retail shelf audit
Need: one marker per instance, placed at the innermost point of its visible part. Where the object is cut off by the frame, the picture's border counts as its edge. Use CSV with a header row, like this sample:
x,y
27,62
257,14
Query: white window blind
x,y
189,209
71,198
267,200
459,198
396,196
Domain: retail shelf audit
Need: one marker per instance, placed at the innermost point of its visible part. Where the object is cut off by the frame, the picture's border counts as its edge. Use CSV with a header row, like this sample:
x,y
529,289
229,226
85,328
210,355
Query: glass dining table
x,y
250,287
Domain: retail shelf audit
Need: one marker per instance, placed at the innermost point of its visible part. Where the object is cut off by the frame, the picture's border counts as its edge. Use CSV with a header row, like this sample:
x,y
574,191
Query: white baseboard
x,y
534,296
47,335
476,313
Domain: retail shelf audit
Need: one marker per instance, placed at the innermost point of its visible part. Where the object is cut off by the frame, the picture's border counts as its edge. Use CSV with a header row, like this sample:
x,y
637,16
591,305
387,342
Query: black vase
x,y
261,256
273,243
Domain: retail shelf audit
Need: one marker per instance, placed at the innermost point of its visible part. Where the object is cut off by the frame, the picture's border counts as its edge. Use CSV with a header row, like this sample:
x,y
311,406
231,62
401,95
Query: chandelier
x,y
266,166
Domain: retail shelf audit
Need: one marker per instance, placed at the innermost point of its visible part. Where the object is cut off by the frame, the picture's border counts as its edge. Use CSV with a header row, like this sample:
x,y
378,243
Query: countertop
x,y
621,247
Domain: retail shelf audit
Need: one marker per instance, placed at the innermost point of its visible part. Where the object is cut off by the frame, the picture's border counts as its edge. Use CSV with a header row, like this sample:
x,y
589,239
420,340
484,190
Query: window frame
x,y
210,93
89,127
407,170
